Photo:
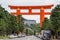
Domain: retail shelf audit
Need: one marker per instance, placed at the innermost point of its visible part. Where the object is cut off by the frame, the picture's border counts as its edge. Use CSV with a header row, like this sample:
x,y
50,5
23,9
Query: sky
x,y
5,4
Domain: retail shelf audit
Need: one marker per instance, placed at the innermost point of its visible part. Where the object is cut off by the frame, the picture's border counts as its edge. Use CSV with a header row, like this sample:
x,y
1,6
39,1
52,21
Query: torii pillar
x,y
42,13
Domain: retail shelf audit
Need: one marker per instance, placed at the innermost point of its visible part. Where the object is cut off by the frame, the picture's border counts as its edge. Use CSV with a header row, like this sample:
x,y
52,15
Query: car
x,y
21,35
12,36
45,34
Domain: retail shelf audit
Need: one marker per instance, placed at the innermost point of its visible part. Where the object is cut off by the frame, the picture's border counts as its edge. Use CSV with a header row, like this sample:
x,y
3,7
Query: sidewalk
x,y
55,39
4,39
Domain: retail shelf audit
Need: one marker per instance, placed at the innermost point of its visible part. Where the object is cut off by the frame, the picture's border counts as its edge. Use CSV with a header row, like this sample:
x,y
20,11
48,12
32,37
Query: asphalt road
x,y
25,38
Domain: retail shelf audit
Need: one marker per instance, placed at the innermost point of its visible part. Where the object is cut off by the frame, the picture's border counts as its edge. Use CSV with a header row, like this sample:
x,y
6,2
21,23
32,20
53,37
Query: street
x,y
27,38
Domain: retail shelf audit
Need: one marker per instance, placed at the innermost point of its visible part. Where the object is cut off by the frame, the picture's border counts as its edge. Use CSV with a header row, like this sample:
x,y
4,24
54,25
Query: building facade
x,y
29,22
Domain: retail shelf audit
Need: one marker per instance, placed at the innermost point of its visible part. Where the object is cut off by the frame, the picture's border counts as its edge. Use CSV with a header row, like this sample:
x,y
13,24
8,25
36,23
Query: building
x,y
29,22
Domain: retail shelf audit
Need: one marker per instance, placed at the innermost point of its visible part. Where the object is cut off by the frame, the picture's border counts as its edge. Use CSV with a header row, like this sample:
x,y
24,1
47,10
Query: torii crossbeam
x,y
41,13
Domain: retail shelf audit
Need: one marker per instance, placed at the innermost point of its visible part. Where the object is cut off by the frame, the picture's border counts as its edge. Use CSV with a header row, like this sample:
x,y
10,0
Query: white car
x,y
21,35
12,36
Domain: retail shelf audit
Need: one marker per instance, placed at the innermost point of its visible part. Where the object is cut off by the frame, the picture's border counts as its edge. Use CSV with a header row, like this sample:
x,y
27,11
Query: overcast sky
x,y
5,4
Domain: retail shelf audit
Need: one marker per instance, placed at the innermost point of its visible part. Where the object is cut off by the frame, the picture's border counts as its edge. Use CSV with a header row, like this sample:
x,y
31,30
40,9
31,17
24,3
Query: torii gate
x,y
41,13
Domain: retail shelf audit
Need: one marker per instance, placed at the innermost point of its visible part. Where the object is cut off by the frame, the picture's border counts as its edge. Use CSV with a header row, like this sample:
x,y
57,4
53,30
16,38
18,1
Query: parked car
x,y
21,35
12,36
45,34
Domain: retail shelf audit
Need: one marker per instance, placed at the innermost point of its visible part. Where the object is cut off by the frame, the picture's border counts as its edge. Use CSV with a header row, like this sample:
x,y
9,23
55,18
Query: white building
x,y
29,22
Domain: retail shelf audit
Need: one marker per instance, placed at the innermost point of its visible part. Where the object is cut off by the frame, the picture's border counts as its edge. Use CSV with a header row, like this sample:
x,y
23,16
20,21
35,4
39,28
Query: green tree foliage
x,y
20,23
46,24
35,28
9,24
12,25
55,18
2,21
2,26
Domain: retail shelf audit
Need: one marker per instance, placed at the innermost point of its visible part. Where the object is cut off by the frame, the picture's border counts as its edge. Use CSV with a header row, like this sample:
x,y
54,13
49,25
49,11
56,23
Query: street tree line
x,y
53,24
9,24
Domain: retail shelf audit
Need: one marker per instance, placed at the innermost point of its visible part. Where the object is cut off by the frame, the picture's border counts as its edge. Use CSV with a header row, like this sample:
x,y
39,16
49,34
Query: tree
x,y
55,18
10,24
20,23
2,21
46,24
2,27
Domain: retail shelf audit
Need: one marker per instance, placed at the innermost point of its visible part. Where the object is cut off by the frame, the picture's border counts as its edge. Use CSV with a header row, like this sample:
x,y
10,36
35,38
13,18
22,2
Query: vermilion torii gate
x,y
41,13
